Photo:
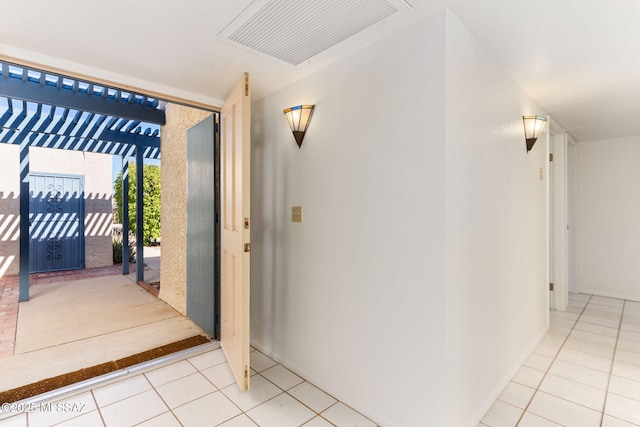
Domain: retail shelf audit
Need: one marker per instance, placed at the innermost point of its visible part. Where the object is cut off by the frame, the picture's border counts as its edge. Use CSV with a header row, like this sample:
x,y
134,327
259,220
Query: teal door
x,y
201,235
56,222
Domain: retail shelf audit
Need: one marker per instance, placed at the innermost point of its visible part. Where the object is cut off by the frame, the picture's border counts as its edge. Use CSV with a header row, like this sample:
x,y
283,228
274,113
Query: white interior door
x,y
235,233
559,242
550,221
572,191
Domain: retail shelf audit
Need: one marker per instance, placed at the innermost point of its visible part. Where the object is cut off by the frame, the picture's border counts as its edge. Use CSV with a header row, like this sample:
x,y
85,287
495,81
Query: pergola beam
x,y
114,145
23,88
129,138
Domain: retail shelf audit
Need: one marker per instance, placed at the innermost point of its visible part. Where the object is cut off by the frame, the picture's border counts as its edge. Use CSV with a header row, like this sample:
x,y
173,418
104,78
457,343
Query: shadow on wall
x,y
98,217
53,217
9,230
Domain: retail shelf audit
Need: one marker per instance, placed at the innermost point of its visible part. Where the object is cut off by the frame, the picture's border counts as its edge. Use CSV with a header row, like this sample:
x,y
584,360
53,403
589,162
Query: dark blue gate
x,y
56,222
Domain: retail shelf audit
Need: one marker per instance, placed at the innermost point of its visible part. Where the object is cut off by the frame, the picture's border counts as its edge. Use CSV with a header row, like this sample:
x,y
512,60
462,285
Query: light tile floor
x,y
196,391
585,372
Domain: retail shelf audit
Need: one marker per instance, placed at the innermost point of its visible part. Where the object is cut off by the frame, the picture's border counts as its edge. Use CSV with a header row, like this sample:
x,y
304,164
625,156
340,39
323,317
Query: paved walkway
x,y
8,315
9,294
9,290
68,326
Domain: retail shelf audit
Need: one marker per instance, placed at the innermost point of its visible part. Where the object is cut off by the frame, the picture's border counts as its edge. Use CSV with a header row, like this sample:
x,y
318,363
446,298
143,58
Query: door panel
x,y
235,239
558,264
56,222
201,234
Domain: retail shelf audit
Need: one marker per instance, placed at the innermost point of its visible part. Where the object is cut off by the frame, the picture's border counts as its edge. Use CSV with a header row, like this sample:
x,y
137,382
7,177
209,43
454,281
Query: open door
x,y
235,244
558,262
201,230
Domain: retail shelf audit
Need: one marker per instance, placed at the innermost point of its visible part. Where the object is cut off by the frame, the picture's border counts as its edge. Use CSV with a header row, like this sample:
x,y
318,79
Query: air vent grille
x,y
294,31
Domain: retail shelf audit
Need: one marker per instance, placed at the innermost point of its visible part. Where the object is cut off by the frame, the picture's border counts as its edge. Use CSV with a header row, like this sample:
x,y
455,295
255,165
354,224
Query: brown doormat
x,y
64,380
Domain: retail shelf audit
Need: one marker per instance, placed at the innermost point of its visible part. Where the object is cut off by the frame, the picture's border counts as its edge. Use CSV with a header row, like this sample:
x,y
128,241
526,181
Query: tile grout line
x,y
15,330
155,390
242,412
537,389
287,391
152,387
218,390
93,396
163,400
613,358
317,414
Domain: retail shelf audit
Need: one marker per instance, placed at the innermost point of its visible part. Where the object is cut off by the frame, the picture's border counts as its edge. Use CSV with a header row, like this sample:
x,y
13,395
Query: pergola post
x,y
125,215
139,213
24,220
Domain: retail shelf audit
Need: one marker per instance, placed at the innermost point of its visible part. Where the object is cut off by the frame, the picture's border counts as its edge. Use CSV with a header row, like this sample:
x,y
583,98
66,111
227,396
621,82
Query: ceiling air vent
x,y
294,31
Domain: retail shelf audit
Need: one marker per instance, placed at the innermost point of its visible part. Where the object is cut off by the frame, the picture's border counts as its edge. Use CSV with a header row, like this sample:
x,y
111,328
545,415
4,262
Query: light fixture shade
x,y
533,126
298,118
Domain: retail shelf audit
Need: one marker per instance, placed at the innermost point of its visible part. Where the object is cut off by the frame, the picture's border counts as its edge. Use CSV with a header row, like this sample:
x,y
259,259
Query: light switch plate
x,y
296,214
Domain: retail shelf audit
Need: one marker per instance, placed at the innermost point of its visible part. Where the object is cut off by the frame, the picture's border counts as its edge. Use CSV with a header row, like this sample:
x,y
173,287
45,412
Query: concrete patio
x,y
80,321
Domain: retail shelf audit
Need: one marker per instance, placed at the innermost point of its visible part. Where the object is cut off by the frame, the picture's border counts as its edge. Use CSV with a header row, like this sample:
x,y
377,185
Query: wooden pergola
x,y
42,109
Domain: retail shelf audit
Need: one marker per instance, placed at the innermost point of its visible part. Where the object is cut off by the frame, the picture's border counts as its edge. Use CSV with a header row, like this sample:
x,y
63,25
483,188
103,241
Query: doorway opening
x,y
51,113
56,222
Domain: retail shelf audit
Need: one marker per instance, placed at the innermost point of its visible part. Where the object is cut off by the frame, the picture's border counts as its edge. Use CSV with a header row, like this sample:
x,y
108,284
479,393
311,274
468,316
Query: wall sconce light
x,y
533,125
298,118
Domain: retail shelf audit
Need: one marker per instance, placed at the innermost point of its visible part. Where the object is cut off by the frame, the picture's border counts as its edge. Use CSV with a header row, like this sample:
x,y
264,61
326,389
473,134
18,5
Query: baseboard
x,y
600,293
475,419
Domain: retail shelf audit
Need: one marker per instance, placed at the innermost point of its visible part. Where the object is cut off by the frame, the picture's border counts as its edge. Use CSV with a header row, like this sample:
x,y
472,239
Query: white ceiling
x,y
579,59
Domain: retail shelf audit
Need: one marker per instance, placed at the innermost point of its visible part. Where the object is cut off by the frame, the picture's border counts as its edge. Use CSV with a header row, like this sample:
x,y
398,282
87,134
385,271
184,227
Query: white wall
x,y
496,245
416,282
608,216
352,298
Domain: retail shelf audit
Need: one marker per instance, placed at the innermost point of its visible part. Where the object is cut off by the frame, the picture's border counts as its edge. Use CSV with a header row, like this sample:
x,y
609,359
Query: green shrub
x,y
151,205
117,251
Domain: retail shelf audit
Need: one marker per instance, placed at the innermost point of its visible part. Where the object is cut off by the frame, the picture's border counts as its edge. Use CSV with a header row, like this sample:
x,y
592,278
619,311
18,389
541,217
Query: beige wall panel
x,y
9,209
173,181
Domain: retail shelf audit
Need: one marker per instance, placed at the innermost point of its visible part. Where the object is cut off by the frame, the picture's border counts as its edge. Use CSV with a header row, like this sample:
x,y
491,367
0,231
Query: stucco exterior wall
x,y
96,169
173,182
9,210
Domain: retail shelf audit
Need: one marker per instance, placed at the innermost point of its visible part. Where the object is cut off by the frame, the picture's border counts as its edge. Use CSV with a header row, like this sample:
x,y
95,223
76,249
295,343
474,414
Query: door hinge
x,y
551,157
246,84
246,223
247,247
550,286
246,377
